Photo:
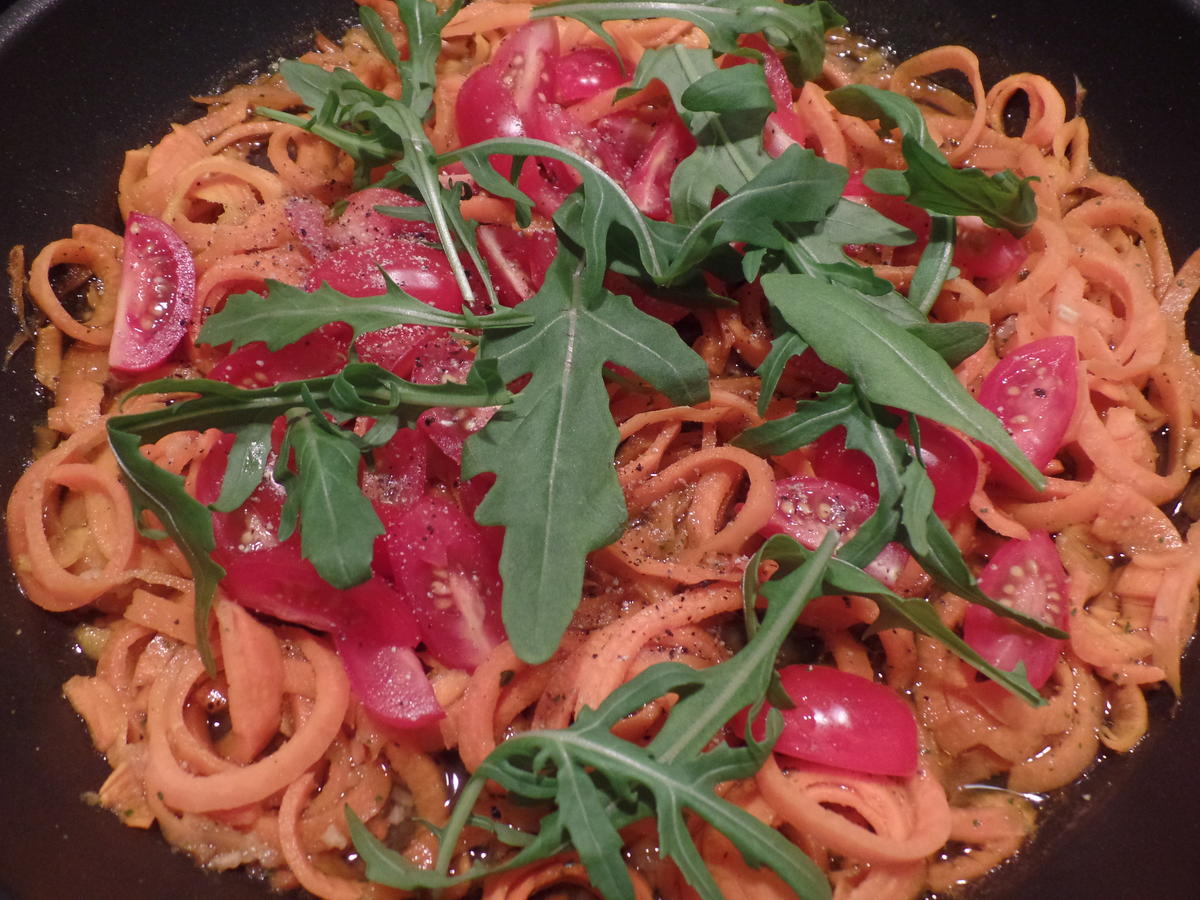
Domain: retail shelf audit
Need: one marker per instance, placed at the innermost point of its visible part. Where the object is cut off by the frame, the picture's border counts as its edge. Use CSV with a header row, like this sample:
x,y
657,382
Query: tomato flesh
x,y
990,254
1034,391
1029,577
841,719
156,297
806,508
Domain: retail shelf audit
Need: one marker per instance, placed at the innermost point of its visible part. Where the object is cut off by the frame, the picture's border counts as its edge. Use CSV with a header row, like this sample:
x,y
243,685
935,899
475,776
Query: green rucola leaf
x,y
552,449
338,524
729,90
247,459
186,520
729,149
423,31
289,313
1001,200
889,365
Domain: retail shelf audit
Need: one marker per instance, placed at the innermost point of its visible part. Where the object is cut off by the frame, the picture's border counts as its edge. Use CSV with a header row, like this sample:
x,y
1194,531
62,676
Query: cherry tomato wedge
x,y
806,508
948,460
1027,576
321,352
1033,391
156,297
448,568
841,719
991,254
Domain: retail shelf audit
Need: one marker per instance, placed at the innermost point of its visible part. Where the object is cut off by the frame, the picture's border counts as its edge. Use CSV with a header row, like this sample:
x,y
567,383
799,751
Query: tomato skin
x,y
843,720
1027,576
423,272
806,508
1033,391
157,296
584,73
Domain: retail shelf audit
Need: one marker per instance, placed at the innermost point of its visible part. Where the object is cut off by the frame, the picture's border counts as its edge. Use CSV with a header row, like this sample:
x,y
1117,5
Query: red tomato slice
x,y
156,297
1033,391
1029,577
517,259
991,254
951,465
375,639
806,508
448,567
783,127
321,352
841,719
421,271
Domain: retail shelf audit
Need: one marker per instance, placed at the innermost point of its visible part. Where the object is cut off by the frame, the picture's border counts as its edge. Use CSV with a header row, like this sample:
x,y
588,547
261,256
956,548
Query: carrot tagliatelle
x,y
253,762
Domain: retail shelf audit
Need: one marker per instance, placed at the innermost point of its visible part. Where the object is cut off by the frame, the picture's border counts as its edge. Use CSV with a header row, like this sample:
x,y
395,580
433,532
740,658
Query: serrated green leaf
x,y
556,492
889,365
1001,200
339,524
287,314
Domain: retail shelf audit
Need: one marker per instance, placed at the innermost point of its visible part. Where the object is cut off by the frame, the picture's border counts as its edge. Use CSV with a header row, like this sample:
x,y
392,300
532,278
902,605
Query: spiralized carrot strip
x,y
907,820
237,786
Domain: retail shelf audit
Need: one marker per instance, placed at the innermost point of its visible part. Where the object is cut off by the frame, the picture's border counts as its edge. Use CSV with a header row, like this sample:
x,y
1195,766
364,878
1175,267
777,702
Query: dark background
x,y
110,76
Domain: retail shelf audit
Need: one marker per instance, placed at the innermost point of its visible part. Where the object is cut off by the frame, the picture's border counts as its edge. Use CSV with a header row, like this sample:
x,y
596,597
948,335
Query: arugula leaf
x,y
890,366
606,203
904,510
289,313
912,613
344,110
593,777
797,29
726,90
729,149
324,488
423,32
552,449
1002,200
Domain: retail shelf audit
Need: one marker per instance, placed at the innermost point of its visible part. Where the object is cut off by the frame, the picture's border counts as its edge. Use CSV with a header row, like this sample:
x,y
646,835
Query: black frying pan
x,y
81,80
